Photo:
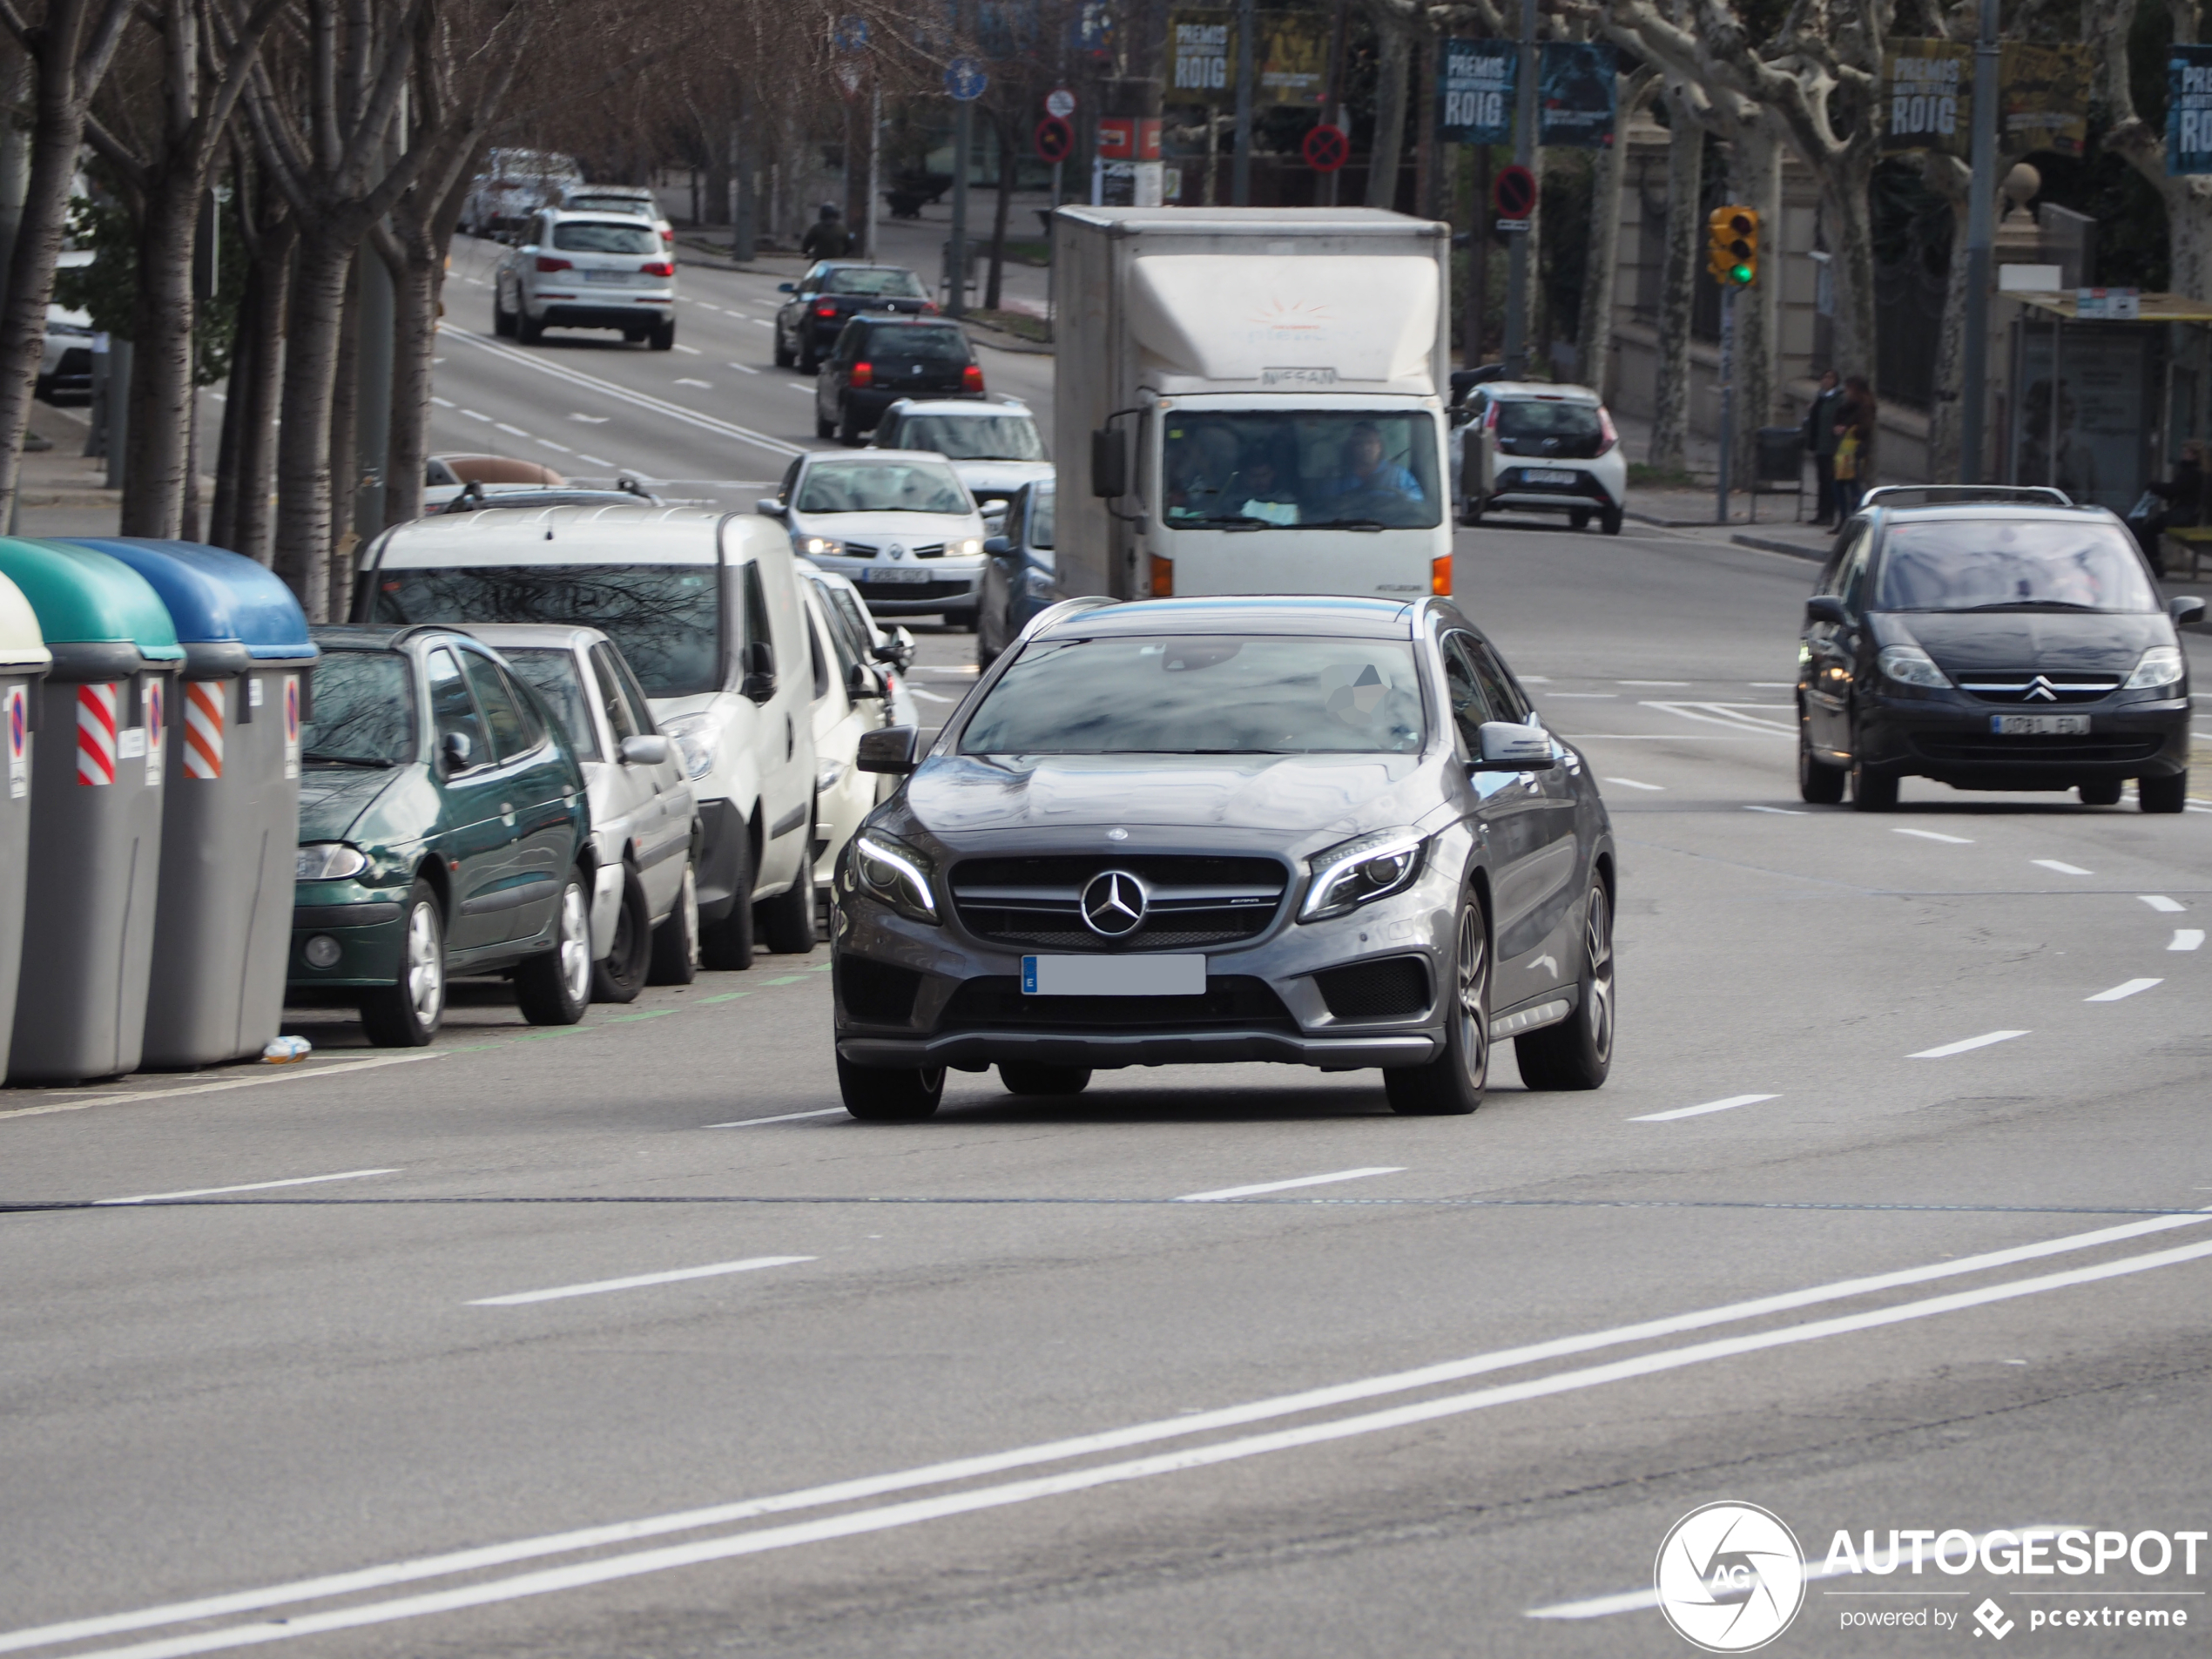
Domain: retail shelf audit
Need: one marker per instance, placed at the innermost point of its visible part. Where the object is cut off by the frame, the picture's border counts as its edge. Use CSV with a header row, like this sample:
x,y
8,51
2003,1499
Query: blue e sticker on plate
x,y
1028,976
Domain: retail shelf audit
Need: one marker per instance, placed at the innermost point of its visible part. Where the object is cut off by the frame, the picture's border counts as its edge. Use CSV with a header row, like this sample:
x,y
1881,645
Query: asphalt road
x,y
625,1341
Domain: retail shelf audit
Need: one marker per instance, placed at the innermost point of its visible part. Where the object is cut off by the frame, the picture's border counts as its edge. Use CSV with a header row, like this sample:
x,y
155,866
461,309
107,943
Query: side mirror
x,y
770,509
899,650
997,546
1826,607
454,751
1109,464
760,662
644,751
859,684
2185,609
787,287
1508,746
887,749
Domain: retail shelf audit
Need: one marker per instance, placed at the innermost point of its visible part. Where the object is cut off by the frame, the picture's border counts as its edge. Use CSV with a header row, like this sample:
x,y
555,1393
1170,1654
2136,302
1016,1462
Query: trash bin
x,y
23,660
229,827
96,801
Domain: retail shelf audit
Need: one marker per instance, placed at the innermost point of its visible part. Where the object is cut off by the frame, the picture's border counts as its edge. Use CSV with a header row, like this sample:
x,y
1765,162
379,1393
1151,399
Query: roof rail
x,y
1959,495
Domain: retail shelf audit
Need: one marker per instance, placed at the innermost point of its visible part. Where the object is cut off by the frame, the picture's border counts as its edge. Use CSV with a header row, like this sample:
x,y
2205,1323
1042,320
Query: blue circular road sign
x,y
965,79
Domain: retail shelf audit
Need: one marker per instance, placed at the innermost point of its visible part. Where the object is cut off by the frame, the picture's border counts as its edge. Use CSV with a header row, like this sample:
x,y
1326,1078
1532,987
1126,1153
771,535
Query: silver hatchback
x,y
1328,832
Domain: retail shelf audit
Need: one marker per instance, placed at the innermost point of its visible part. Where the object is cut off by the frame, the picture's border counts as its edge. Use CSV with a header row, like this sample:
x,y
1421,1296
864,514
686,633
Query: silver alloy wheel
x,y
575,944
426,967
1472,976
1597,938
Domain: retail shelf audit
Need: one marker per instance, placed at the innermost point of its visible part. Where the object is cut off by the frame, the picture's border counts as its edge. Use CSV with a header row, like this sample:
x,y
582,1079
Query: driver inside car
x,y
1367,471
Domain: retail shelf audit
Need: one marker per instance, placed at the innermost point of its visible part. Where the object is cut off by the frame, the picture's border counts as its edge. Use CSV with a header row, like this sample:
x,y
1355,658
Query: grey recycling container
x,y
96,795
229,827
23,662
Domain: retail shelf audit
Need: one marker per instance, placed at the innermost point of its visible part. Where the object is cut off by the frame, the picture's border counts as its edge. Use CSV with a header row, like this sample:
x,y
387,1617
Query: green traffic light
x,y
1740,274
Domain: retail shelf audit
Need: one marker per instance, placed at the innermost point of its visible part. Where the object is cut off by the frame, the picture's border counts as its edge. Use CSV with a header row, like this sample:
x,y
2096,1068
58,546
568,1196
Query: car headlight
x,y
827,779
815,547
699,737
330,861
967,547
1348,875
2161,667
1910,665
889,870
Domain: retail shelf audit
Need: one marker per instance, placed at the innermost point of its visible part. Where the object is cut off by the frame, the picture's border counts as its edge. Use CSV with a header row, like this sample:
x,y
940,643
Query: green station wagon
x,y
443,830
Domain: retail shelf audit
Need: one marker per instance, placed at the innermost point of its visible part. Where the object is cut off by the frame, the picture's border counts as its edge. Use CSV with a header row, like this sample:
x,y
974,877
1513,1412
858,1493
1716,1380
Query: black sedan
x,y
1326,831
830,294
1992,645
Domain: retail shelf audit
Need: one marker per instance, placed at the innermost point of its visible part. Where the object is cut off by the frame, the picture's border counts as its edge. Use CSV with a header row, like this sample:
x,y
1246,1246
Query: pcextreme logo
x,y
1730,1577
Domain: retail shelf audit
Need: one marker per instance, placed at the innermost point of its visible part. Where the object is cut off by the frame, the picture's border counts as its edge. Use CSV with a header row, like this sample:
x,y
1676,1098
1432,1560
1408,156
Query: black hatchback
x,y
880,360
829,296
1992,645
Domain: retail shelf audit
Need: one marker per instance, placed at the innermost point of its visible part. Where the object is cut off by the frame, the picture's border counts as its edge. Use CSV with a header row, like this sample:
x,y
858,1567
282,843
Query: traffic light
x,y
1732,246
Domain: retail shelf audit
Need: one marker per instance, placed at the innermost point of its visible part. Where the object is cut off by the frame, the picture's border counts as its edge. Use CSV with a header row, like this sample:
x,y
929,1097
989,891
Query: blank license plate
x,y
1113,975
1546,475
2040,725
898,573
606,276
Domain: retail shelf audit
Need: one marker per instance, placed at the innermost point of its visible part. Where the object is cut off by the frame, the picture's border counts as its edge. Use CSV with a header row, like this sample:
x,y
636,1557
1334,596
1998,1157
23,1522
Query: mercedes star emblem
x,y
1113,904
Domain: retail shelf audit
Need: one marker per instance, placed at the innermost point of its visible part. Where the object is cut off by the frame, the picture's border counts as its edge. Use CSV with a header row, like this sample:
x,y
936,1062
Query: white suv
x,y
618,198
1531,447
707,610
587,271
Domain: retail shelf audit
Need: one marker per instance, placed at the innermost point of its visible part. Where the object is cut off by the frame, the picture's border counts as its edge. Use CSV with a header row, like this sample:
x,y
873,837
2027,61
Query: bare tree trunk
x,y
303,517
1949,179
345,449
1391,72
418,281
1685,184
255,535
161,364
222,513
1851,213
1756,166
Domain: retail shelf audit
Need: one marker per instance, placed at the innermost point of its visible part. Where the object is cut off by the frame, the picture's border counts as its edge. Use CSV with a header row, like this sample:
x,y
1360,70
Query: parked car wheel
x,y
406,1014
726,945
676,941
664,336
619,975
1044,1080
1577,1053
2164,795
554,987
1452,1084
885,1095
786,921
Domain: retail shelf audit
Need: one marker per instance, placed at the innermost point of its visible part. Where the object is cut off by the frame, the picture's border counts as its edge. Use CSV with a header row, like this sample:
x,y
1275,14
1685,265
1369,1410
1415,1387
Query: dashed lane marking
x,y
2160,902
780,1117
1936,835
1729,1105
2123,990
1254,1191
1947,1050
2186,939
2061,866
640,1281
1631,783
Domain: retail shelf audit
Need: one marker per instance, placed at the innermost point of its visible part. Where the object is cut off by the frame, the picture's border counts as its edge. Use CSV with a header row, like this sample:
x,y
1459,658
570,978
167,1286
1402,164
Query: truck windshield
x,y
1202,694
1304,470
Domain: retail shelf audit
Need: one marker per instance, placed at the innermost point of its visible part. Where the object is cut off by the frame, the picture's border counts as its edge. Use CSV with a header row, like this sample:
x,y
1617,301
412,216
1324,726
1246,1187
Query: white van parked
x,y
707,610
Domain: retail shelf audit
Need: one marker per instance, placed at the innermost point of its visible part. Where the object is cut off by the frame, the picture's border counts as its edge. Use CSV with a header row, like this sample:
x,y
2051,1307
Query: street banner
x,y
1291,53
1202,56
1576,91
1928,98
1474,91
2188,108
2042,98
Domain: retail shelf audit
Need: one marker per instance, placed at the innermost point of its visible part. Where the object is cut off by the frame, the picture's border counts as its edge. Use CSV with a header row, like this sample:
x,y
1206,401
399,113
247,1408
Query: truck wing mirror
x,y
1109,464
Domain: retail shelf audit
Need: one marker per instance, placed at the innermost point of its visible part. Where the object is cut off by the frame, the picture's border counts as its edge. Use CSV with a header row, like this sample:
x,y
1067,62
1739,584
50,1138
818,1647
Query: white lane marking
x,y
1631,783
2191,807
763,321
1772,685
1779,812
1982,1041
1730,1104
486,1556
1584,697
511,431
1654,681
2161,903
275,1074
702,306
249,1186
1737,717
742,369
550,444
639,1281
693,350
2186,939
2124,989
473,415
1936,835
597,460
860,1522
1284,1186
442,402
624,394
796,387
780,1117
928,697
704,386
591,420
2061,866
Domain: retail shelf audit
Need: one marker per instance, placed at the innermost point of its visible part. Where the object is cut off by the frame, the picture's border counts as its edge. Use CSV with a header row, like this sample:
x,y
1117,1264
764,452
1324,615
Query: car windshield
x,y
2010,564
1202,694
902,342
598,236
552,672
884,281
1532,417
1313,470
973,437
882,487
361,711
665,618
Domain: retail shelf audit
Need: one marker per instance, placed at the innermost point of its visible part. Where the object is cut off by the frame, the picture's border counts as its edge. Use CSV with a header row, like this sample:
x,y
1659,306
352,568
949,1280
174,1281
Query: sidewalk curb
x,y
1003,339
1814,555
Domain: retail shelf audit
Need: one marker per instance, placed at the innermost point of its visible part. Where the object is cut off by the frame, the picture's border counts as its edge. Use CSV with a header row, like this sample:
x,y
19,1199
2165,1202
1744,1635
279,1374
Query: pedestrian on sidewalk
x,y
826,238
1854,459
1821,439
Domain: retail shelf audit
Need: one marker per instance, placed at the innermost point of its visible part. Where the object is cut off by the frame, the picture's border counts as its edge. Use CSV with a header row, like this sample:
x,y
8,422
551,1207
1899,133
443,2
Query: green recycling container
x,y
96,799
23,662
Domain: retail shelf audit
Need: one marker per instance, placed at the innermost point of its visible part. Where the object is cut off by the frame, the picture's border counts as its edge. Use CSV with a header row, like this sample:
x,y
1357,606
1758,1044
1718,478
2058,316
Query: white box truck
x,y
1247,401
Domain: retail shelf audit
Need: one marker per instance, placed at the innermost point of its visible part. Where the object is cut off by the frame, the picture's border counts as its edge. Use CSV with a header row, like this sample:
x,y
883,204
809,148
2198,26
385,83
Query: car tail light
x,y
1440,577
1605,430
1163,577
668,236
971,379
658,268
1490,419
544,264
826,310
929,307
864,374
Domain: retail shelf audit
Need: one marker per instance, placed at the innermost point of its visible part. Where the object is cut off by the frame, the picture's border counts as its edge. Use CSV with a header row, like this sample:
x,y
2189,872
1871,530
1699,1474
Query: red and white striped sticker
x,y
204,728
157,718
96,733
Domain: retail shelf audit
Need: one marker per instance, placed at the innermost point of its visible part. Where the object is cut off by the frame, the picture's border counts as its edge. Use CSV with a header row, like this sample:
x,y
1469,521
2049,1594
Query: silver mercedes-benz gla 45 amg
x,y
1329,832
